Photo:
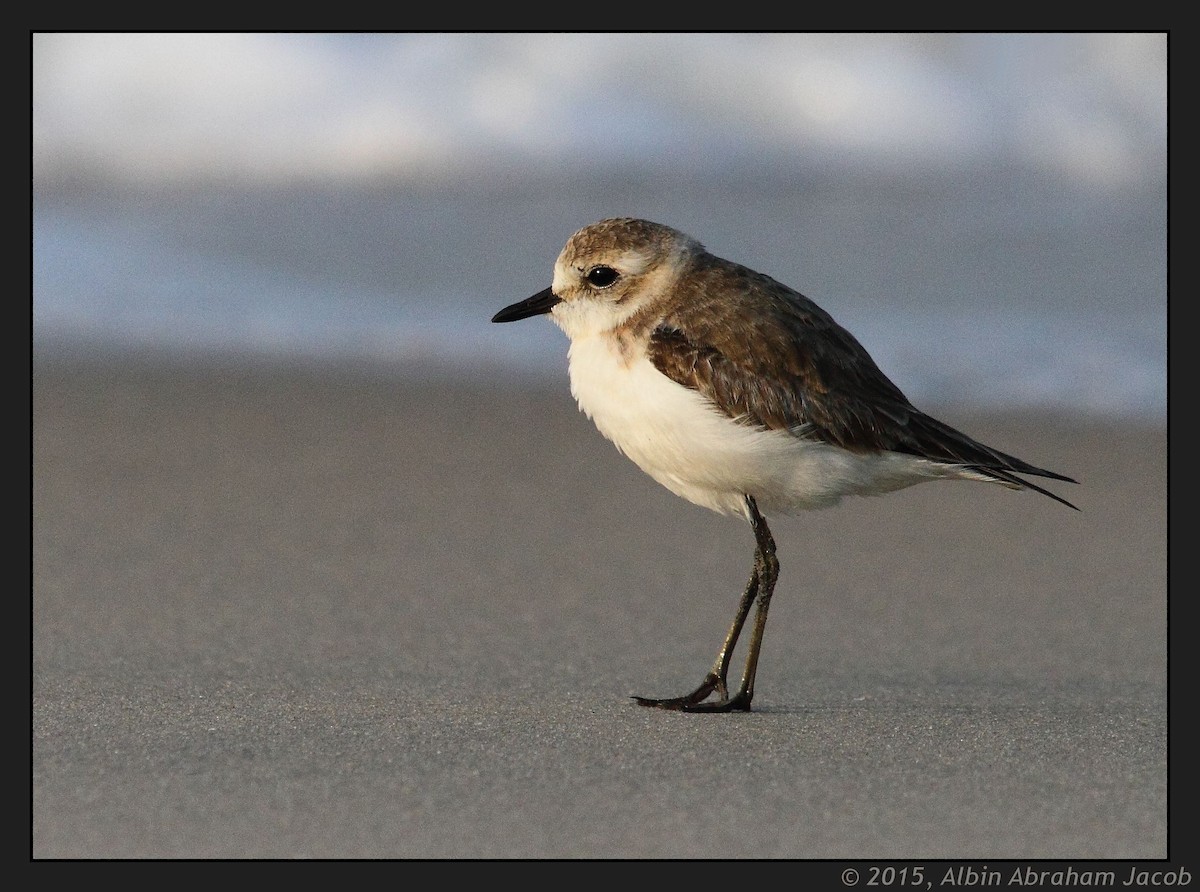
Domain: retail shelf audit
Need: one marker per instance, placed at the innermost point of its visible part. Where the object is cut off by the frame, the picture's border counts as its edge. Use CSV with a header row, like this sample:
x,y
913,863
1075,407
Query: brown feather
x,y
777,361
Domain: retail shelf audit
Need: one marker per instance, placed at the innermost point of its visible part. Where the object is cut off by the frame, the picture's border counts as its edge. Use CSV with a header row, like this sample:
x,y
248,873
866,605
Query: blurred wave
x,y
1090,107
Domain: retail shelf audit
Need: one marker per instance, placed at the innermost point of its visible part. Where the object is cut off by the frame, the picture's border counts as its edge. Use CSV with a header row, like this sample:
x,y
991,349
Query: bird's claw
x,y
697,700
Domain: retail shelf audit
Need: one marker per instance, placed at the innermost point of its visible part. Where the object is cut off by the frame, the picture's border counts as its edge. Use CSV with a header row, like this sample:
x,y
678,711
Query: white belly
x,y
693,449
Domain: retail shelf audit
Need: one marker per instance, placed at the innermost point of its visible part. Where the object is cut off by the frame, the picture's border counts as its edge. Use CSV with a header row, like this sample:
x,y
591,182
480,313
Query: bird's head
x,y
606,273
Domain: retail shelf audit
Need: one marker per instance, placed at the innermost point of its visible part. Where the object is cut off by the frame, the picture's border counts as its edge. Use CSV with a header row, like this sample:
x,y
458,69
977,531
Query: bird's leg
x,y
716,678
760,587
766,568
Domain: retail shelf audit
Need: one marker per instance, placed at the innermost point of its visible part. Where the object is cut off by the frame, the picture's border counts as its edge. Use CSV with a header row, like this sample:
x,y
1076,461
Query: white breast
x,y
693,449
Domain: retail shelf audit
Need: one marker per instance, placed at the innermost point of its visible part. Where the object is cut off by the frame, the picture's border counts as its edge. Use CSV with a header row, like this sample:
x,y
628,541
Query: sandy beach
x,y
351,612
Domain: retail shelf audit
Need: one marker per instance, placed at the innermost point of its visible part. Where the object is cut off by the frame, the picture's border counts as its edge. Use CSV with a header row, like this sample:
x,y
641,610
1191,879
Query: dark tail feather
x,y
937,440
1014,480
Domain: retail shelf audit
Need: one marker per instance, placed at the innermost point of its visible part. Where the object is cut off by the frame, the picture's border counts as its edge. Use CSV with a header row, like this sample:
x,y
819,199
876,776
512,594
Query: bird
x,y
741,395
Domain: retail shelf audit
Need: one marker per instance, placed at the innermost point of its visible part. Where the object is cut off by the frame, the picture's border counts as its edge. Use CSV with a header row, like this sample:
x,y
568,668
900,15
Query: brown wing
x,y
776,360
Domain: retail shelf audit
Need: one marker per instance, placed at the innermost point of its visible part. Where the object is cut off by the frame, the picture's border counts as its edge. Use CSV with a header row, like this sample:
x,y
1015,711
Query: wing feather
x,y
775,360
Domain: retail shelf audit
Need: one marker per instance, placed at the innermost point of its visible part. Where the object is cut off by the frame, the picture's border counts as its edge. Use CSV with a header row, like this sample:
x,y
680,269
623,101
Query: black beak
x,y
542,302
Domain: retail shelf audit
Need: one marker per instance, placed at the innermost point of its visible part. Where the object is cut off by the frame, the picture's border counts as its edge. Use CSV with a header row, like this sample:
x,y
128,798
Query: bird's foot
x,y
696,700
739,702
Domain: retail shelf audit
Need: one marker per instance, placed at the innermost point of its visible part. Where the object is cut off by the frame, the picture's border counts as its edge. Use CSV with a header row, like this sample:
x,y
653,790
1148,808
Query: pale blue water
x,y
990,296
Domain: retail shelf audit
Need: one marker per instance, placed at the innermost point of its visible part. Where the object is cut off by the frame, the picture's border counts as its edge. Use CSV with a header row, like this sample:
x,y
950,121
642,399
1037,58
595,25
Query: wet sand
x,y
348,612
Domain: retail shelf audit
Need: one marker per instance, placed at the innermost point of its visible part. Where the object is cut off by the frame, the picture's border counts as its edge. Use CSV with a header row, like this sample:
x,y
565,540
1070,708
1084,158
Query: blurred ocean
x,y
986,213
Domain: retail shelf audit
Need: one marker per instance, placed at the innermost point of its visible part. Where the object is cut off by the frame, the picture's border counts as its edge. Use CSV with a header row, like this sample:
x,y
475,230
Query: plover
x,y
741,395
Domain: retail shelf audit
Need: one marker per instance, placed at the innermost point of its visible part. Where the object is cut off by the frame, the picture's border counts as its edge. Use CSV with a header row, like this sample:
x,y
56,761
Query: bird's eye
x,y
601,276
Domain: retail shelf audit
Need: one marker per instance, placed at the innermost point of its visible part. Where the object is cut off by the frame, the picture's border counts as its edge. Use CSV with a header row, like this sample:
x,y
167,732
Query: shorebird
x,y
741,395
